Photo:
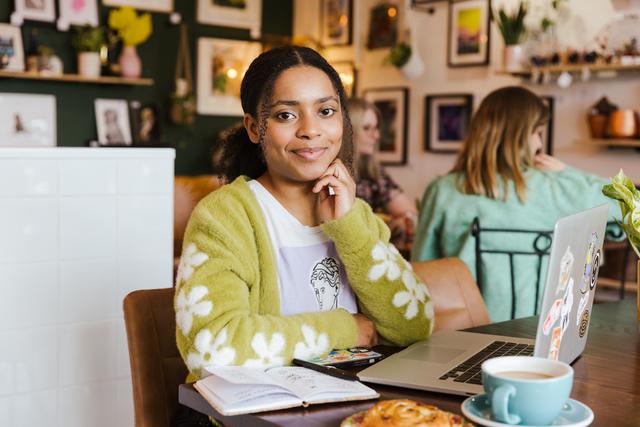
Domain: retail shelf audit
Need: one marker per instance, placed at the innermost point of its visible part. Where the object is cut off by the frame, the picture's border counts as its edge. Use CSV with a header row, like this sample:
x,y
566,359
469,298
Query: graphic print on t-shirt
x,y
325,281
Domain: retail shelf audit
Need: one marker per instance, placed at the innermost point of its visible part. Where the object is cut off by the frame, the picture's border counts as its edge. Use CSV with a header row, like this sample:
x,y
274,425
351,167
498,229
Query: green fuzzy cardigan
x,y
227,297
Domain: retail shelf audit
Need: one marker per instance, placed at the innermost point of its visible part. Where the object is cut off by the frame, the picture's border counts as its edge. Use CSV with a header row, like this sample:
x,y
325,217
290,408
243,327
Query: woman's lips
x,y
310,153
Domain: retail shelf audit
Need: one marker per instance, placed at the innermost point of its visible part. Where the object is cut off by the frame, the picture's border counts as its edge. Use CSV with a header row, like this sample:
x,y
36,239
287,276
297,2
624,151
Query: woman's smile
x,y
310,153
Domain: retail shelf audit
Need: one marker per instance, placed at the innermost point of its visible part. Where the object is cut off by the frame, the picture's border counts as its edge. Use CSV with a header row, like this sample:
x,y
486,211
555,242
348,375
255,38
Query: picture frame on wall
x,y
11,49
27,120
112,122
221,65
336,22
393,104
348,75
383,26
547,133
71,12
469,33
447,118
147,126
228,13
150,5
34,10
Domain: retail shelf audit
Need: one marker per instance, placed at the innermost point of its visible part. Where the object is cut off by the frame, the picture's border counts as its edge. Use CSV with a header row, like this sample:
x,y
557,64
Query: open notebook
x,y
235,390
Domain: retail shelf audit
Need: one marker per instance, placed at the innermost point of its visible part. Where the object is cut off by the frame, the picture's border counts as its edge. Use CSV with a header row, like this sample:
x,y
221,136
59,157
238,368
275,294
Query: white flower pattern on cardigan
x,y
188,306
416,292
191,258
314,344
267,351
385,262
210,353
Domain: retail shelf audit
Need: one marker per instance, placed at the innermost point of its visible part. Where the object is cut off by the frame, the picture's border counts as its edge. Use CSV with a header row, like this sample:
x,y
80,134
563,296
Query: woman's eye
x,y
285,115
328,112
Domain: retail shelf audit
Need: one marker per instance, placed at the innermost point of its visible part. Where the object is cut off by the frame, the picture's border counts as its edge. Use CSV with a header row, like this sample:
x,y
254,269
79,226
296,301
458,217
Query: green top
x,y
227,298
446,215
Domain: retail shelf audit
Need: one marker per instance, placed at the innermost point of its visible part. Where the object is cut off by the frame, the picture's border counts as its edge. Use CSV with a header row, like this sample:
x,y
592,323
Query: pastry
x,y
405,413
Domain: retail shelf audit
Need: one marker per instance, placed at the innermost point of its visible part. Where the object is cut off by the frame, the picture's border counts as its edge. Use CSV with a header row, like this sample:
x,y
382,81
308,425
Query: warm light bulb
x,y
344,20
392,12
347,79
232,73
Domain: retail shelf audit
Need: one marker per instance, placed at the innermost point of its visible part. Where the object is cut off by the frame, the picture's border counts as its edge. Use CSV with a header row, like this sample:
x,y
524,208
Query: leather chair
x,y
455,295
156,366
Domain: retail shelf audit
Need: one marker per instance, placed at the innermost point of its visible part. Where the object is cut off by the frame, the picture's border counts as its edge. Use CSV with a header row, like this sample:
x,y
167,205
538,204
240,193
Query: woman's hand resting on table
x,y
367,334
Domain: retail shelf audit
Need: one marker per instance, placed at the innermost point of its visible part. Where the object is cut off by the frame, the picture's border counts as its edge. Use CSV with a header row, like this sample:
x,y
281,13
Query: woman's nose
x,y
309,127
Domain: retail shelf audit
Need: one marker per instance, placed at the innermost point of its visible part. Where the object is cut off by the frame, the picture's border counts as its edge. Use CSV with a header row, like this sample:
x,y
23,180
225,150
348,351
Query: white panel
x,y
28,360
145,228
88,290
90,405
28,230
28,177
29,410
87,227
87,352
143,274
145,176
87,177
123,368
29,295
125,404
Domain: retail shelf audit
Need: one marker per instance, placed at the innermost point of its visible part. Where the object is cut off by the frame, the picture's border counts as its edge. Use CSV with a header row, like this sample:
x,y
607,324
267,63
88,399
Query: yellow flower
x,y
133,29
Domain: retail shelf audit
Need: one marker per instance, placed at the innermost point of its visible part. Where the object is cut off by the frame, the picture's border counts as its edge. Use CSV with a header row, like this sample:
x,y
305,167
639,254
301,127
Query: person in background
x,y
373,184
285,261
502,177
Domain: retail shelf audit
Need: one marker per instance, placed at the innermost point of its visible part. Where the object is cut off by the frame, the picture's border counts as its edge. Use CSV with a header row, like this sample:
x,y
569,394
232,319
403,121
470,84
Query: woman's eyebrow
x,y
293,102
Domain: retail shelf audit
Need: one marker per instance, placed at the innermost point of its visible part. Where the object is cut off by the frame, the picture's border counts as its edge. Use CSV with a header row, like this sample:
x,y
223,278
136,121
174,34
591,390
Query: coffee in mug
x,y
526,390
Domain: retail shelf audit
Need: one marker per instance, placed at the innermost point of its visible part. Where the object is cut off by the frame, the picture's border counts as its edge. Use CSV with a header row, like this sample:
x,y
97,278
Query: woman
x,y
284,261
502,178
374,185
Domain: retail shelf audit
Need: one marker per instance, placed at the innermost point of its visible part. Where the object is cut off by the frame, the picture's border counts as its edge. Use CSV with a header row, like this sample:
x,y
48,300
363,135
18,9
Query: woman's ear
x,y
251,125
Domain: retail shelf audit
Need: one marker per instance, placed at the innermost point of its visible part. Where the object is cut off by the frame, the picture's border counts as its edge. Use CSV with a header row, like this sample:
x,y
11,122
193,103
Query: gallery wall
x,y
75,101
571,104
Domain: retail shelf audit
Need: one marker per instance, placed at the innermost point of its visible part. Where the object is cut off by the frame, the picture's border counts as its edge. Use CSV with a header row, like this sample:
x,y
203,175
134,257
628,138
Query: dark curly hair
x,y
242,157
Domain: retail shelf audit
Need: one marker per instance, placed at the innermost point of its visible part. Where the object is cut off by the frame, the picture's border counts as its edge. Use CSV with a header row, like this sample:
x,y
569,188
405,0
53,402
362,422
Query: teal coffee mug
x,y
526,390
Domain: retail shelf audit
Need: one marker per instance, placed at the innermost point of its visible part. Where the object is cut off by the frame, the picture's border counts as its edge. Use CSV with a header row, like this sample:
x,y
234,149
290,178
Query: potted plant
x,y
513,30
88,41
403,57
133,30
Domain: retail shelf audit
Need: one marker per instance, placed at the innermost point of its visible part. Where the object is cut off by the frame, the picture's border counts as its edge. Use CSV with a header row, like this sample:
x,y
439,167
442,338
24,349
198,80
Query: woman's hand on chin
x,y
548,163
336,191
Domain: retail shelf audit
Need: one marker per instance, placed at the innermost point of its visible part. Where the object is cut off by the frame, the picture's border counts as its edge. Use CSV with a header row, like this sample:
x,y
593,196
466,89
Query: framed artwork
x,y
348,75
112,122
27,120
35,10
336,22
468,40
73,12
393,104
152,5
547,136
446,121
147,124
383,26
231,13
221,65
11,51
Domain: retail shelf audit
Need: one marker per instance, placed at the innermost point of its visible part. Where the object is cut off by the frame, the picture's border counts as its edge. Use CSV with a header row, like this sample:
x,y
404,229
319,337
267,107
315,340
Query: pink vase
x,y
130,63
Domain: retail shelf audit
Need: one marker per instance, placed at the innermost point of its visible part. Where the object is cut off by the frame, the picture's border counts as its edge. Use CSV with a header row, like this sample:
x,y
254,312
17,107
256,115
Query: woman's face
x,y
368,135
304,128
535,141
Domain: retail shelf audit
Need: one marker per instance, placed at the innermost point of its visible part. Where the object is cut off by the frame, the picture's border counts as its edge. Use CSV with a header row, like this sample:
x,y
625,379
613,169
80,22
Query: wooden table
x,y
607,377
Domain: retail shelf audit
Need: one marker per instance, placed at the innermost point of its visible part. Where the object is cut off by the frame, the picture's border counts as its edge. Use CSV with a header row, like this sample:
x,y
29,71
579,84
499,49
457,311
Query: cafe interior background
x,y
83,226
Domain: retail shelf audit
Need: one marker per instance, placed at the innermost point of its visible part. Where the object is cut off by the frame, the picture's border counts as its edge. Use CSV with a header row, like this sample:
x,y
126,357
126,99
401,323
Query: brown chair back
x,y
455,295
156,366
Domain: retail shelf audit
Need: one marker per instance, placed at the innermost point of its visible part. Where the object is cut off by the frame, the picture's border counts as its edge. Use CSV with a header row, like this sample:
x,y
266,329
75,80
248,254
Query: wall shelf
x,y
613,142
571,68
77,78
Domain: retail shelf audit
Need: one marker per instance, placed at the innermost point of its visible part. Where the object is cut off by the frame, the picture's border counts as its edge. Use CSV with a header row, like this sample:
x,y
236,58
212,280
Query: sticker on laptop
x,y
584,323
567,305
552,316
594,270
581,305
588,269
566,267
556,340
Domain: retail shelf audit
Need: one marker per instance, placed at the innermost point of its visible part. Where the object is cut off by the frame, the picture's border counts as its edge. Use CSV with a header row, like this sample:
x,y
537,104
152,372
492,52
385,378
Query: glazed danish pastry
x,y
408,413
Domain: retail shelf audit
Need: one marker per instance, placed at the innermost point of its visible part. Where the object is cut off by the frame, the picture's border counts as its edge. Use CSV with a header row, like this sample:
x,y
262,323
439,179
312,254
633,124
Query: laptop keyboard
x,y
469,370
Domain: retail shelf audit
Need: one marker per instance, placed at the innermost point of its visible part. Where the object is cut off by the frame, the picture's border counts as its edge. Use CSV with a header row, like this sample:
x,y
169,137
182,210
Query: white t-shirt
x,y
311,276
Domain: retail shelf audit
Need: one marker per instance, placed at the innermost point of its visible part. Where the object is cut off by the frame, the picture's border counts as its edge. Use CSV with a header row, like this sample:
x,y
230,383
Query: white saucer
x,y
573,414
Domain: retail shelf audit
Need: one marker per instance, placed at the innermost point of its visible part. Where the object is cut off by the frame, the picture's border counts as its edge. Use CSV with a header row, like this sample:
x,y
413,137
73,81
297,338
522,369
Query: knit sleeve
x,y
426,243
388,291
226,303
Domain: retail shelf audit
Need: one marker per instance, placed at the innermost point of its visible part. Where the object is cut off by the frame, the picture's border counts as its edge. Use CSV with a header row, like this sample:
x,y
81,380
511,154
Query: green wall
x,y
76,121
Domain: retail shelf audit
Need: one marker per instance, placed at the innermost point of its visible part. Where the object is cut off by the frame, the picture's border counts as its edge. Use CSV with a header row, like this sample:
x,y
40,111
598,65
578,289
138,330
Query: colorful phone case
x,y
347,358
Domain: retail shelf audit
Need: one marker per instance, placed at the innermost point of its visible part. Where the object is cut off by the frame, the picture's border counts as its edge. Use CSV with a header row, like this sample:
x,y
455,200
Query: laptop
x,y
449,361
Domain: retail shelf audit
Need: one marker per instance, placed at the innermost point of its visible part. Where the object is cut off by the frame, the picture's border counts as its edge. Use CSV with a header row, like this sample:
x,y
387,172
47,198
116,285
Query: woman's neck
x,y
296,197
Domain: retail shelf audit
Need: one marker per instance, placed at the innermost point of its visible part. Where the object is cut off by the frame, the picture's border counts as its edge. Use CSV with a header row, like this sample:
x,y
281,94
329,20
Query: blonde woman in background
x,y
373,184
502,177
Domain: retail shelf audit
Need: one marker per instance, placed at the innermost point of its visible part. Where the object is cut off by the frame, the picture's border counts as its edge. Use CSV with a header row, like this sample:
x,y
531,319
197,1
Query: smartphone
x,y
348,358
